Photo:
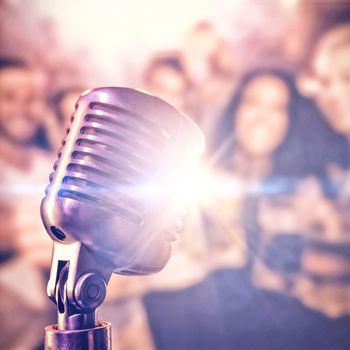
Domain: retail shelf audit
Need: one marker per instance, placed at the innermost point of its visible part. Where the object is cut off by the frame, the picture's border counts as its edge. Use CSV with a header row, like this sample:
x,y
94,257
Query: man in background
x,y
328,78
24,246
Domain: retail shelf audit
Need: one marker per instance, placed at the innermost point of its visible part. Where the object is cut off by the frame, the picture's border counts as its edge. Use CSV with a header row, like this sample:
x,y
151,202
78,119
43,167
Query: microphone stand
x,y
77,286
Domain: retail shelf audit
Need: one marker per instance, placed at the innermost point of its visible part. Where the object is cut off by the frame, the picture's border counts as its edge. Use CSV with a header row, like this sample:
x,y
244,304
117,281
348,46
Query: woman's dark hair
x,y
172,60
309,144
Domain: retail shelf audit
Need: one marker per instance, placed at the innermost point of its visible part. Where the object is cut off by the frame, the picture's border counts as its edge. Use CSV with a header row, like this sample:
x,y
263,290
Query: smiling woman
x,y
262,117
259,118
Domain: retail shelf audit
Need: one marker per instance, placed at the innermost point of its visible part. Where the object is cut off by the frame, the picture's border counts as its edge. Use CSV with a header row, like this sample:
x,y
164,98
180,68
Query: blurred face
x,y
202,42
262,117
331,70
21,105
168,84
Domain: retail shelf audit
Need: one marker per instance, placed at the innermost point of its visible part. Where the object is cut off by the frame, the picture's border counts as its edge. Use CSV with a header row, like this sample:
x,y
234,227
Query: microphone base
x,y
97,338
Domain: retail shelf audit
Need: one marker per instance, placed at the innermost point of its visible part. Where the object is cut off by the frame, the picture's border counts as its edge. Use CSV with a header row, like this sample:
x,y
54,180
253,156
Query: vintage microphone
x,y
113,203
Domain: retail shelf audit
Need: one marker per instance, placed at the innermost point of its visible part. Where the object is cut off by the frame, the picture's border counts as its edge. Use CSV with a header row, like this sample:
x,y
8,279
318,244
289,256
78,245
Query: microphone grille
x,y
112,151
115,183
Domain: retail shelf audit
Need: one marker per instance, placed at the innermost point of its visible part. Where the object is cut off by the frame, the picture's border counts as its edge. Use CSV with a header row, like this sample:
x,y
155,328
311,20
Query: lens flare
x,y
199,185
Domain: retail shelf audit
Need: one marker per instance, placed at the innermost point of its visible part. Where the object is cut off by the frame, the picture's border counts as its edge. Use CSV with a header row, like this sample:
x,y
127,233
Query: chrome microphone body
x,y
105,189
112,204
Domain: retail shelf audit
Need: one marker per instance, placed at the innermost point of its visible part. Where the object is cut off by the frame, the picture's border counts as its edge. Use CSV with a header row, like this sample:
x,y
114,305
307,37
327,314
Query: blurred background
x,y
263,261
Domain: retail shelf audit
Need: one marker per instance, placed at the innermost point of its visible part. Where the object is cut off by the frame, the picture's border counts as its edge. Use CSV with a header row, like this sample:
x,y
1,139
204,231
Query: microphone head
x,y
114,187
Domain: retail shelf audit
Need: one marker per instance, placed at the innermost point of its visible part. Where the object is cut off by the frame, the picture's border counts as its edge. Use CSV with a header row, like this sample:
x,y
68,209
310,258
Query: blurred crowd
x,y
263,261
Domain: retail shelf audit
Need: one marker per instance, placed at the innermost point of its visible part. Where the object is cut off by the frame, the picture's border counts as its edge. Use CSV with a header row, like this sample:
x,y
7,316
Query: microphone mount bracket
x,y
77,285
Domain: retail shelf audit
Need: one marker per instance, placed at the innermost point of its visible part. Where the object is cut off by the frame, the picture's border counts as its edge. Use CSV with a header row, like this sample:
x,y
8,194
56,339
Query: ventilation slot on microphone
x,y
109,192
153,128
128,157
76,181
133,128
85,198
117,135
120,168
85,168
101,169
